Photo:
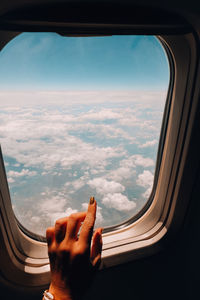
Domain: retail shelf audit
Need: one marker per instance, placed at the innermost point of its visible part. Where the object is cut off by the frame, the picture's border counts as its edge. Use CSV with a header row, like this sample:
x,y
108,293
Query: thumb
x,y
96,248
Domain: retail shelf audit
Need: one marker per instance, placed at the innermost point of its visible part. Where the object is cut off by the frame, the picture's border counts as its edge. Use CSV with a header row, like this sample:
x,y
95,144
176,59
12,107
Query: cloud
x,y
52,204
11,180
23,172
118,201
143,161
87,145
146,180
108,132
73,186
148,125
147,193
57,215
121,173
35,219
111,191
43,137
52,146
104,186
54,208
148,144
131,121
76,184
55,97
103,114
137,160
14,174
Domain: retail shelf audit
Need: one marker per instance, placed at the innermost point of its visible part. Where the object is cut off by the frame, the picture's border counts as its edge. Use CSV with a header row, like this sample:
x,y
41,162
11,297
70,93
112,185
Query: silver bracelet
x,y
48,296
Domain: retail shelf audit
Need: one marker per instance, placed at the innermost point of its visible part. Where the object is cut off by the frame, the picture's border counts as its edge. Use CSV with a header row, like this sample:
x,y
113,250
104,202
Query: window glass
x,y
80,117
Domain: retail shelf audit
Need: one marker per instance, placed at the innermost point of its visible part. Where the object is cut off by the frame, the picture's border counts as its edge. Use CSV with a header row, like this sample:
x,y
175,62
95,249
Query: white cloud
x,y
131,121
57,215
84,206
147,193
54,208
103,114
10,180
137,160
60,138
75,185
145,179
23,172
149,144
110,132
42,138
35,219
149,125
52,204
118,201
143,161
128,162
121,173
57,148
104,186
151,98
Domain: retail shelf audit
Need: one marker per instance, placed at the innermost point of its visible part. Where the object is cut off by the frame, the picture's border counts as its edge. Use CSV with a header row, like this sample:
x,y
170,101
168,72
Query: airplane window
x,y
80,117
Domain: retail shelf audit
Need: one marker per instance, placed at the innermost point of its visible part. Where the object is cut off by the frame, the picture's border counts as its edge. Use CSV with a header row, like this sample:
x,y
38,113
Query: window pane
x,y
80,117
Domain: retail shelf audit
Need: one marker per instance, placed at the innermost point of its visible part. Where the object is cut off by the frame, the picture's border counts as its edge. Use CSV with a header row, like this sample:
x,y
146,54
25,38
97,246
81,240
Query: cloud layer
x,y
59,154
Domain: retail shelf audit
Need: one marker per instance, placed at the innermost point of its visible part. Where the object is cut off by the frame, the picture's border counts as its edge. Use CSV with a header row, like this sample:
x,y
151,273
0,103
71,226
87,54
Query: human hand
x,y
73,260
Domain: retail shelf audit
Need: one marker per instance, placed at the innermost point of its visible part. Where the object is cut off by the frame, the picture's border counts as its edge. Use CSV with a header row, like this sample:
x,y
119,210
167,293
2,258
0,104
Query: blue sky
x,y
46,61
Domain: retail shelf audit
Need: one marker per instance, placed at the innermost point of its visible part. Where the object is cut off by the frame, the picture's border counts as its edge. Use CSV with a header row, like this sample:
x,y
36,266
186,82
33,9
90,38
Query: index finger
x,y
88,224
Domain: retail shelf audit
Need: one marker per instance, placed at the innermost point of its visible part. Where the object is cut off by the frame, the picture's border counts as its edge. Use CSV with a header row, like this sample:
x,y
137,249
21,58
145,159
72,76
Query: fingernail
x,y
92,200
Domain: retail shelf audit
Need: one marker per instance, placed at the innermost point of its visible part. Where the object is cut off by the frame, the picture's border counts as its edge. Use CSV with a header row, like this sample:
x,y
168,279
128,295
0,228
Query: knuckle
x,y
63,248
52,249
50,230
72,217
58,223
79,251
49,234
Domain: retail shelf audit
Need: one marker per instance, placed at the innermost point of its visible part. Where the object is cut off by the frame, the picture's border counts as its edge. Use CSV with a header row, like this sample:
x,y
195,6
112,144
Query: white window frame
x,y
24,260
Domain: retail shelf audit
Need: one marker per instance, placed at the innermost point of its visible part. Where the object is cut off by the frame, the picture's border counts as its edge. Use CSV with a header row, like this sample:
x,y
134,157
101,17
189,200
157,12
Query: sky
x,y
49,61
80,117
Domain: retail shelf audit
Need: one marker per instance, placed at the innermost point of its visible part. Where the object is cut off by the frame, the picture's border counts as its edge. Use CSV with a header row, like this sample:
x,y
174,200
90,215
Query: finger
x,y
88,224
50,235
60,229
96,248
96,243
73,226
96,262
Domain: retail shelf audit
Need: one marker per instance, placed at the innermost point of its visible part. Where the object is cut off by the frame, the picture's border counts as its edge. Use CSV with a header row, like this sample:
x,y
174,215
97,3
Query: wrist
x,y
60,293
